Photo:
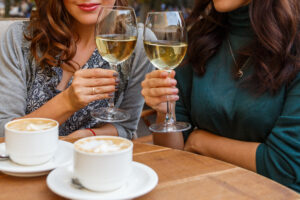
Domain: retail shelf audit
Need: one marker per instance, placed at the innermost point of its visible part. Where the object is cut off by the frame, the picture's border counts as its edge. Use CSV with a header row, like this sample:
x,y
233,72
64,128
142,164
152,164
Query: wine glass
x,y
116,36
165,43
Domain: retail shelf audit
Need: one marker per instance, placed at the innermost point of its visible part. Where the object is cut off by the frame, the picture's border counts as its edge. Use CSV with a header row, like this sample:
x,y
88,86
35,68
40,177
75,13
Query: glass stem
x,y
111,103
169,116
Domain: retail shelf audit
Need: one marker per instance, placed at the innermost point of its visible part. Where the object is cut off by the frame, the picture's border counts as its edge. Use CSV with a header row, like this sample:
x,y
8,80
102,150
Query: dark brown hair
x,y
274,53
52,41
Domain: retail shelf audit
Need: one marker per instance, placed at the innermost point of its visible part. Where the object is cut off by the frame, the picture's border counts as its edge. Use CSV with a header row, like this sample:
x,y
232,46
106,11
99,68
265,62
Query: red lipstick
x,y
88,7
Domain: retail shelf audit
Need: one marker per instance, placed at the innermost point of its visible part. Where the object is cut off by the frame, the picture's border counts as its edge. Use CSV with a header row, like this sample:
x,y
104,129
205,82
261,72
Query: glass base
x,y
110,115
166,128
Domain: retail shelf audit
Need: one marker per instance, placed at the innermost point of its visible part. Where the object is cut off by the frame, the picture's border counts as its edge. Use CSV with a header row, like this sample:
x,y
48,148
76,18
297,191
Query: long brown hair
x,y
274,53
52,41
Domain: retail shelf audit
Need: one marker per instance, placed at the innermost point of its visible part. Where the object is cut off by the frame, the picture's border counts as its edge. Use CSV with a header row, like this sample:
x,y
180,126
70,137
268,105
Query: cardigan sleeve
x,y
12,76
133,100
279,156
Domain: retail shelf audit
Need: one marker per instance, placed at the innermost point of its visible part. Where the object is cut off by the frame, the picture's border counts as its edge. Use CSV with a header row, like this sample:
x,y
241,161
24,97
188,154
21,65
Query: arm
x,y
13,77
239,153
277,158
106,129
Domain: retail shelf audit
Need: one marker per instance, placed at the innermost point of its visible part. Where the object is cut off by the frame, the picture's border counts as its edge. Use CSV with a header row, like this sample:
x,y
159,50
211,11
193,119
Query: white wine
x,y
165,55
115,48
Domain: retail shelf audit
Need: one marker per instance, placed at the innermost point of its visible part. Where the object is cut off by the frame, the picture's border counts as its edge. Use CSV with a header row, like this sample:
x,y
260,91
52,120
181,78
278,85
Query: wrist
x,y
69,104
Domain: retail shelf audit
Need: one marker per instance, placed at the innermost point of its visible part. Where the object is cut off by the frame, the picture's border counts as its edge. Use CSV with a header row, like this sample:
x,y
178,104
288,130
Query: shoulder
x,y
14,34
140,43
294,86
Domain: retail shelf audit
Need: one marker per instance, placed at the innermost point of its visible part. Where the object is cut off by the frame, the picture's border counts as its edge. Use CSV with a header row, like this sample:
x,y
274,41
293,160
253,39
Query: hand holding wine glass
x,y
116,36
165,42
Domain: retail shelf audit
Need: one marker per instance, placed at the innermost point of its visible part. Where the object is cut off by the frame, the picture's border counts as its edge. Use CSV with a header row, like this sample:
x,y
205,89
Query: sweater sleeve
x,y
184,84
12,76
279,157
133,101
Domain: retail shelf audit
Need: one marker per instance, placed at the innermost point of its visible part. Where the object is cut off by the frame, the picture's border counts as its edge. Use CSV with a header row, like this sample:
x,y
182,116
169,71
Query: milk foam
x,y
31,125
101,146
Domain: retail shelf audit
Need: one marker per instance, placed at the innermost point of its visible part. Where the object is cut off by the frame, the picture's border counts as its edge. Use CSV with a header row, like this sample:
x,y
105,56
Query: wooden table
x,y
182,176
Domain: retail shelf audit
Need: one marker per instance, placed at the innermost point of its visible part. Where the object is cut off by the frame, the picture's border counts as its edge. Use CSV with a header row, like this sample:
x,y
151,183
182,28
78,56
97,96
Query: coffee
x,y
102,163
31,141
31,124
102,145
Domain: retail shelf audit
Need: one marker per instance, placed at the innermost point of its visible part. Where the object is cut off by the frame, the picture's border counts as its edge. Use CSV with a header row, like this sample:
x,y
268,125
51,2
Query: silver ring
x,y
93,91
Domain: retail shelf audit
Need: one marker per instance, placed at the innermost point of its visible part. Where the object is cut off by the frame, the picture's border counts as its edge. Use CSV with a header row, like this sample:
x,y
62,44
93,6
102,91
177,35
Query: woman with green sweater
x,y
239,87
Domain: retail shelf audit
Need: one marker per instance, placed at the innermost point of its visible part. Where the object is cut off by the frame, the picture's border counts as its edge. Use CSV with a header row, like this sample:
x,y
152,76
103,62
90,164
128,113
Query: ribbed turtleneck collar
x,y
239,22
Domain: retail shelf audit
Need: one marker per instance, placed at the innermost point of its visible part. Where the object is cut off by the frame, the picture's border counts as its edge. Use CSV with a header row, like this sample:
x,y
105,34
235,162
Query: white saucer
x,y
141,181
62,157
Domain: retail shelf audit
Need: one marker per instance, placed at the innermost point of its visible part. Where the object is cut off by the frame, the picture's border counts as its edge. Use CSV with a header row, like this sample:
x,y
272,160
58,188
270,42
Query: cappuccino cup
x,y
31,141
102,163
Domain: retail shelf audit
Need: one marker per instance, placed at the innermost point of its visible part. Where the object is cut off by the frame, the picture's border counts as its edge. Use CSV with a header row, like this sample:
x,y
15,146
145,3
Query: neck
x,y
85,34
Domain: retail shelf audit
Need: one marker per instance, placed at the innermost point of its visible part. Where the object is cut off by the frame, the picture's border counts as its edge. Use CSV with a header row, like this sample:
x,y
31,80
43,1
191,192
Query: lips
x,y
88,7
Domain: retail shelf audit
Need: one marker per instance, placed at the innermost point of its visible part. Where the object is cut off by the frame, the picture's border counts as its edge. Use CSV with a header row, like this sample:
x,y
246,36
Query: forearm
x,y
239,153
57,108
106,129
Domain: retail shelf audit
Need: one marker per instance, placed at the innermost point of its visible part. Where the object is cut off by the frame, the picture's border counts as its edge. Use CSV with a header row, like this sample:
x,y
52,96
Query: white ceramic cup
x,y
31,147
102,171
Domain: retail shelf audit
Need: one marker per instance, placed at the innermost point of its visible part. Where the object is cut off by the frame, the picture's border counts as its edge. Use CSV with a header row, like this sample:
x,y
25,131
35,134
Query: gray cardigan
x,y
17,71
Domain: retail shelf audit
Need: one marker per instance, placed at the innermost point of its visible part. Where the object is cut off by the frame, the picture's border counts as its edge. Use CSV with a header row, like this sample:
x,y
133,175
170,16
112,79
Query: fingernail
x,y
173,81
115,74
174,90
117,87
111,94
165,74
117,80
173,97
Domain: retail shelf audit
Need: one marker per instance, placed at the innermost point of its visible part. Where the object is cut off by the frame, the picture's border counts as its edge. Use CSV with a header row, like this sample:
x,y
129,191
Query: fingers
x,y
102,90
96,73
160,74
158,82
157,92
155,101
96,97
95,82
159,87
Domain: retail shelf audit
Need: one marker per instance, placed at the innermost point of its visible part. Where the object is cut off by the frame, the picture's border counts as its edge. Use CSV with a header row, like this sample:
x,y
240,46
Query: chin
x,y
88,20
228,5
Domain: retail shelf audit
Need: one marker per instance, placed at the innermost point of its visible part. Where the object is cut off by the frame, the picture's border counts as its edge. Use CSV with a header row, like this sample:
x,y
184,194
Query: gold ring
x,y
93,91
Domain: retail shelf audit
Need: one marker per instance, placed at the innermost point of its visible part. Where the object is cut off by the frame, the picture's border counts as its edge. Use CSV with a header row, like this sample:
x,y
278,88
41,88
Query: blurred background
x,y
23,8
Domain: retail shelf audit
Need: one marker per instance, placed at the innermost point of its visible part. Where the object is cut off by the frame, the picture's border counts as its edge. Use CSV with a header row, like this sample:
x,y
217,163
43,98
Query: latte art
x,y
31,124
102,145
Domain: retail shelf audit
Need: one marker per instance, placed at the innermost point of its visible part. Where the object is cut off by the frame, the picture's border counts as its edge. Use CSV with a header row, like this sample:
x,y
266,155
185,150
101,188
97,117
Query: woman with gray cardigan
x,y
50,67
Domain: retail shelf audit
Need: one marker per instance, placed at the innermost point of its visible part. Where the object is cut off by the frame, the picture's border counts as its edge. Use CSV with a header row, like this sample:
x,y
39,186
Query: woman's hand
x,y
89,85
158,88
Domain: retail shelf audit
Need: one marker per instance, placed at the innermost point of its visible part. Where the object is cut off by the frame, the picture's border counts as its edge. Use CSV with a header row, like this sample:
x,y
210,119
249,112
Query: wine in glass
x,y
116,36
165,42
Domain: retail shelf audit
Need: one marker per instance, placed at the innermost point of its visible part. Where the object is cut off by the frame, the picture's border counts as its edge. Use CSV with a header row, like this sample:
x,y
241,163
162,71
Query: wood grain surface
x,y
182,176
